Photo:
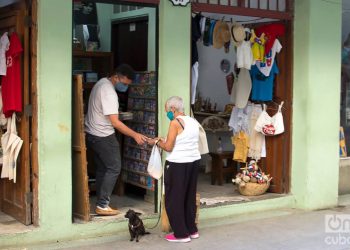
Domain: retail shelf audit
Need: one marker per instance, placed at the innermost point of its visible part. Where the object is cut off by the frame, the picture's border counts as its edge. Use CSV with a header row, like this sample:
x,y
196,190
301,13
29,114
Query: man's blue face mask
x,y
121,87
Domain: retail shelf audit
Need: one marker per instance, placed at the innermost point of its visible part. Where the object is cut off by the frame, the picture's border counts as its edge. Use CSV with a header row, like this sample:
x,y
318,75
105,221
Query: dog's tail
x,y
147,233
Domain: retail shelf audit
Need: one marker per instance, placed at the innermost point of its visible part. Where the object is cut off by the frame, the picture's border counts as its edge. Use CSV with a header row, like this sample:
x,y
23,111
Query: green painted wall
x,y
54,93
174,57
316,103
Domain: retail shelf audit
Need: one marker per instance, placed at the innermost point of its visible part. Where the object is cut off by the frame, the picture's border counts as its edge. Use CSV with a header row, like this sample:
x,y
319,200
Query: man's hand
x,y
140,139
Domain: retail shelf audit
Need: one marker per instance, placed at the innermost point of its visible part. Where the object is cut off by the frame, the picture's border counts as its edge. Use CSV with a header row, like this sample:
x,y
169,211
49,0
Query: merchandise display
x,y
251,180
142,103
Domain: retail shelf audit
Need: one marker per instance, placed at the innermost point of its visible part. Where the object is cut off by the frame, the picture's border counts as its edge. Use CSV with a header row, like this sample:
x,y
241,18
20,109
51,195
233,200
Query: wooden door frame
x,y
34,101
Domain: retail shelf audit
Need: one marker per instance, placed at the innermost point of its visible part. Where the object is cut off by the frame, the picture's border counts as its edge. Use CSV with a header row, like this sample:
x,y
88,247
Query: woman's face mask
x,y
170,115
121,87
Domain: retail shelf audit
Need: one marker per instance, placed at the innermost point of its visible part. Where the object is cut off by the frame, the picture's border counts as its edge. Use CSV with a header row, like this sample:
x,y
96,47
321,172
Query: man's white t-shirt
x,y
4,46
103,101
265,67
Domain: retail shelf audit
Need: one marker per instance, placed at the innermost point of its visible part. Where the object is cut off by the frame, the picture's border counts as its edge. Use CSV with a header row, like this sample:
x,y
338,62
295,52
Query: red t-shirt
x,y
11,83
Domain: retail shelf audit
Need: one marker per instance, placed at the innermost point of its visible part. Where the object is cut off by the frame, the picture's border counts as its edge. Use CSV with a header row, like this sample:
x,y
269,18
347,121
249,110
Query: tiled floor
x,y
9,225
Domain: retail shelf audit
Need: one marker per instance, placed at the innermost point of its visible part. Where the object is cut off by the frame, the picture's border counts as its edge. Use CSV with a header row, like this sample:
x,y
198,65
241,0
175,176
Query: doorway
x,y
213,102
130,42
18,199
125,36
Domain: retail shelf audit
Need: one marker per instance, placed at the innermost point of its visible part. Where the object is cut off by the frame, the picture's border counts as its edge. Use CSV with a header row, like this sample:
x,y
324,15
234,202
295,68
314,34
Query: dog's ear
x,y
137,213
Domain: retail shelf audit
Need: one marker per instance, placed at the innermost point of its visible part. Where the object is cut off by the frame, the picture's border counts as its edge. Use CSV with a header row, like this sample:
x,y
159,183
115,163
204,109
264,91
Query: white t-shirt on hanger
x,y
4,46
244,55
265,67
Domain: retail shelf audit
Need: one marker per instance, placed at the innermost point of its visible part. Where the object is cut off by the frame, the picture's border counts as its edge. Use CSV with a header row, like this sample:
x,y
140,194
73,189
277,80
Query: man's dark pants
x,y
108,165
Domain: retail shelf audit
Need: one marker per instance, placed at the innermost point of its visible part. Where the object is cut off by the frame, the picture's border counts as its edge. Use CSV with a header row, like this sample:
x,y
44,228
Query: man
x,y
101,120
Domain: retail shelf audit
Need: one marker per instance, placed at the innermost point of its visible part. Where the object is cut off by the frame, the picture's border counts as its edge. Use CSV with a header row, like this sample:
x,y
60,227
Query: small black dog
x,y
136,227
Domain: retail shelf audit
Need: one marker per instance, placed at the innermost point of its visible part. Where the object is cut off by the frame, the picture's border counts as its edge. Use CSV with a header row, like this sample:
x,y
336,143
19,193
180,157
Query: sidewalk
x,y
283,229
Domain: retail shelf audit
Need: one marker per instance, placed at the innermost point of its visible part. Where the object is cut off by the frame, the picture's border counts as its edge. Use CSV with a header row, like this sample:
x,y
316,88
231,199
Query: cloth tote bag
x,y
270,125
11,144
202,142
154,167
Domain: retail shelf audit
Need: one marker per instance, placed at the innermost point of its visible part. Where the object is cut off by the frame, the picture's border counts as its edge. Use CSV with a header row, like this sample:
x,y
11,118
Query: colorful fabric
x,y
12,82
265,66
271,31
241,143
262,86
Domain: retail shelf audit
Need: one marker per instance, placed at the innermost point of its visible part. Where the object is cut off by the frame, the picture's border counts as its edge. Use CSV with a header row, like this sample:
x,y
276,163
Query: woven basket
x,y
253,189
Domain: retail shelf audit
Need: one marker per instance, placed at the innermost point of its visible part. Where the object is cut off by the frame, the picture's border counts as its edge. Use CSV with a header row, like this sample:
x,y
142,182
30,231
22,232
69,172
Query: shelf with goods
x,y
142,102
93,62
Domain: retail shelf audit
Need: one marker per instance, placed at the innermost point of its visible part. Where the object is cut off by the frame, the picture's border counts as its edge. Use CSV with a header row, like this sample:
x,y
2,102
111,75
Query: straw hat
x,y
238,33
221,34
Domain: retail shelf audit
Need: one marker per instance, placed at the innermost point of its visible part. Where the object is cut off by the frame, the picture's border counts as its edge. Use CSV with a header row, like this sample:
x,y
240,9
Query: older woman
x,y
181,171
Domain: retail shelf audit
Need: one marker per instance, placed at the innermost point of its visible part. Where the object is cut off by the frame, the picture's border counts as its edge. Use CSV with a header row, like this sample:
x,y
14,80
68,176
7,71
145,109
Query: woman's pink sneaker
x,y
172,238
194,235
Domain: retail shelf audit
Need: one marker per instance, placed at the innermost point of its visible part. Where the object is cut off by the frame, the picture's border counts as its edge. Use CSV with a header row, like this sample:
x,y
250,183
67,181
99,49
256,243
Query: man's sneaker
x,y
172,238
106,211
194,235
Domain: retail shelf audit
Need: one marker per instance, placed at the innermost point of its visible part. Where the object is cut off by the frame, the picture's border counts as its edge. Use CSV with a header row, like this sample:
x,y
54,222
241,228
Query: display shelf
x,y
142,103
136,172
141,122
139,185
137,146
143,97
135,159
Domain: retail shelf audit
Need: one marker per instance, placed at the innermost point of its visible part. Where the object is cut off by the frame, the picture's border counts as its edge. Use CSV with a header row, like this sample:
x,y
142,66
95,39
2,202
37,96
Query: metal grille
x,y
281,9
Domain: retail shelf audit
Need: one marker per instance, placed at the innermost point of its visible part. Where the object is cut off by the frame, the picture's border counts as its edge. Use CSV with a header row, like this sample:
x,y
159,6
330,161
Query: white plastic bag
x,y
154,167
202,142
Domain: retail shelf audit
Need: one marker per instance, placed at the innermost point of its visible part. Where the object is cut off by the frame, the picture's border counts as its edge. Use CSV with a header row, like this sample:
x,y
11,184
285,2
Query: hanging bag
x,y
154,167
202,142
11,144
268,125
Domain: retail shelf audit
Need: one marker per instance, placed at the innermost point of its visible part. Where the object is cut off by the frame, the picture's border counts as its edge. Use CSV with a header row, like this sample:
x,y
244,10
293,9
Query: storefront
x,y
311,158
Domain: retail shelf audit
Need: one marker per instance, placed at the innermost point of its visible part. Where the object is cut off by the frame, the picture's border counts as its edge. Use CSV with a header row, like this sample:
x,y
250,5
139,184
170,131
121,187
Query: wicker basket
x,y
253,189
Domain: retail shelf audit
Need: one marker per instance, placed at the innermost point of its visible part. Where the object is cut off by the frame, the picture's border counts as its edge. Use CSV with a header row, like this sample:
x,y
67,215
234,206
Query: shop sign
x,y
180,2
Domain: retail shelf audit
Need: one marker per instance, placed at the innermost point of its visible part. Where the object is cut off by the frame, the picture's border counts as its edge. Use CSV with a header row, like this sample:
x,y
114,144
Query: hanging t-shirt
x,y
4,46
11,83
244,55
266,65
262,86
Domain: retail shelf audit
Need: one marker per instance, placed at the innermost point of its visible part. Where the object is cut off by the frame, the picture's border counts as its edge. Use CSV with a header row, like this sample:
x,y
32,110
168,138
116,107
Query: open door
x,y
16,198
81,204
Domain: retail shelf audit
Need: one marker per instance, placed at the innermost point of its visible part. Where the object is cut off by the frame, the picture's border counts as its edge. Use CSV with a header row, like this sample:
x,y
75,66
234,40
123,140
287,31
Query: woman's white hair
x,y
175,102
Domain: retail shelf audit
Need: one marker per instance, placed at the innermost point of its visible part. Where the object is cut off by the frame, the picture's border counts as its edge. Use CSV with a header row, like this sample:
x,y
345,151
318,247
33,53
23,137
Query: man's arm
x,y
121,127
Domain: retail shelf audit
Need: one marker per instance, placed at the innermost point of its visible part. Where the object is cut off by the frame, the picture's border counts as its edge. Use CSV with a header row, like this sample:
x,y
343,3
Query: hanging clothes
x,y
265,66
244,55
258,46
194,81
271,31
4,46
243,88
262,86
12,83
239,119
256,139
11,144
241,143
